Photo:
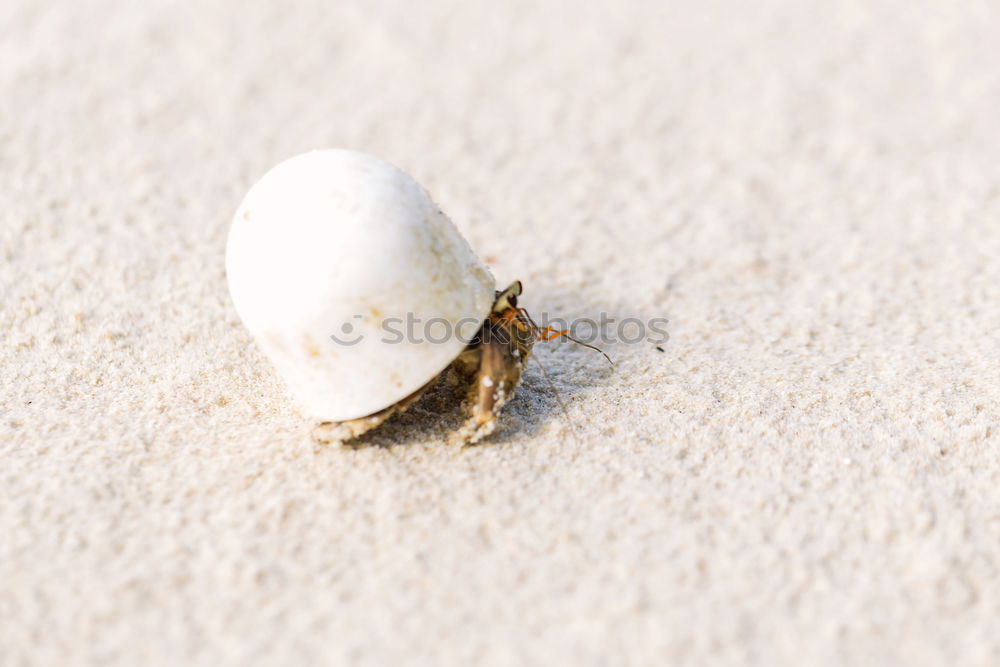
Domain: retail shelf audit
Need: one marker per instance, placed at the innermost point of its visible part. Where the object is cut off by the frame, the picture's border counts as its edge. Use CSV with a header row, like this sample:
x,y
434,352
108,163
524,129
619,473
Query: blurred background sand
x,y
807,475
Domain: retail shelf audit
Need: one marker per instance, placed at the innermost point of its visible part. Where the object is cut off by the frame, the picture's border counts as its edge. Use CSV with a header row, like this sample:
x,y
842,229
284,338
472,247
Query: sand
x,y
807,473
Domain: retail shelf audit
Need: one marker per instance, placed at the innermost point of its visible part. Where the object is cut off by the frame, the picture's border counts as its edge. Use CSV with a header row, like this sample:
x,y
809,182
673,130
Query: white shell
x,y
336,238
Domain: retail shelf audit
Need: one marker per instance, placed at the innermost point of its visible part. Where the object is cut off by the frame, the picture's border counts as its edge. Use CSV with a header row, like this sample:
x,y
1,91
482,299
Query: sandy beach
x,y
805,473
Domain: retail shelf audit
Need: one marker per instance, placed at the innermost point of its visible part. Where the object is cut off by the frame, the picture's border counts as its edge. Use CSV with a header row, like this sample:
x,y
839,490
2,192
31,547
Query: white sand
x,y
808,474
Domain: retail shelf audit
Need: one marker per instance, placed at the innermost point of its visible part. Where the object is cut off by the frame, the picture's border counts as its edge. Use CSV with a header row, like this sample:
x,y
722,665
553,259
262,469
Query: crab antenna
x,y
565,334
592,347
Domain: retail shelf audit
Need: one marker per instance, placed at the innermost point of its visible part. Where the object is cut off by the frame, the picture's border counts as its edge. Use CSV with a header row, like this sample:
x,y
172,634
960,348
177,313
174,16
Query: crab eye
x,y
507,298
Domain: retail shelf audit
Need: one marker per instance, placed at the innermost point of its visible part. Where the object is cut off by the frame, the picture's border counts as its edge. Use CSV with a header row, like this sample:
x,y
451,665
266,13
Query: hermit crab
x,y
331,255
